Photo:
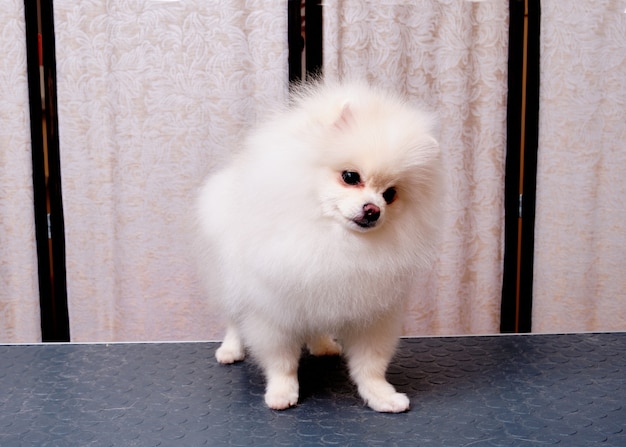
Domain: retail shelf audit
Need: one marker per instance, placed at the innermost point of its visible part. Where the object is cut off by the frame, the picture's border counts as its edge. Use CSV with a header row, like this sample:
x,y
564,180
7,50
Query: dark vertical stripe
x,y
314,37
521,165
47,197
295,41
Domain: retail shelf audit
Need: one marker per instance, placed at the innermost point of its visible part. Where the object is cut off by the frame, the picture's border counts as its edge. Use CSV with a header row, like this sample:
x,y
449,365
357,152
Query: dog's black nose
x,y
371,212
370,216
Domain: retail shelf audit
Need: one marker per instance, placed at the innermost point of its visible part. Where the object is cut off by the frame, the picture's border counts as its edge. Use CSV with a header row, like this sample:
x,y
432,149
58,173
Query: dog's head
x,y
381,165
359,198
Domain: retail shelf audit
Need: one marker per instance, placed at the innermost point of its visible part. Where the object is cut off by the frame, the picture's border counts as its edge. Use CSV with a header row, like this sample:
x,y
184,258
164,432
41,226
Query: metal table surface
x,y
512,390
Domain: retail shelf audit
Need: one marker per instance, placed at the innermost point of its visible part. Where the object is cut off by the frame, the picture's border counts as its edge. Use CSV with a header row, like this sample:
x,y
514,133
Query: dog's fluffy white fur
x,y
311,235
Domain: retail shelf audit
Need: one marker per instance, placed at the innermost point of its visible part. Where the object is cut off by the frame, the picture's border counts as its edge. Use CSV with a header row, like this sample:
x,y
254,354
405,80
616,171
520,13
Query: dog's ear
x,y
345,117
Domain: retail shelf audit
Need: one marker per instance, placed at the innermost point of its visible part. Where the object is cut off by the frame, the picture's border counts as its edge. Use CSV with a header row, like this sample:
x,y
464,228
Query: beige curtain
x,y
451,56
580,251
19,294
152,95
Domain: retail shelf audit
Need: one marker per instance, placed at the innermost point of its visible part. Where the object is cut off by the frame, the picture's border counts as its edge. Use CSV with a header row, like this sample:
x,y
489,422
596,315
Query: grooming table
x,y
510,390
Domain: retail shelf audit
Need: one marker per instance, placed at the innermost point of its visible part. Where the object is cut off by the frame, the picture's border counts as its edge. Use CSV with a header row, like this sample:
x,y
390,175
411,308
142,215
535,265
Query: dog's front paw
x,y
392,403
381,396
282,393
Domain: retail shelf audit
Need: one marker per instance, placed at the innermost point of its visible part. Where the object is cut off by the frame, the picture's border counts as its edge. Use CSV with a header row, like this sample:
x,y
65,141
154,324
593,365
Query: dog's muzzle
x,y
369,217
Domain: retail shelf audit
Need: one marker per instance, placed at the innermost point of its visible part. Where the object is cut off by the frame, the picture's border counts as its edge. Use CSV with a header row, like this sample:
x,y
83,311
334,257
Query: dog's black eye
x,y
389,195
351,177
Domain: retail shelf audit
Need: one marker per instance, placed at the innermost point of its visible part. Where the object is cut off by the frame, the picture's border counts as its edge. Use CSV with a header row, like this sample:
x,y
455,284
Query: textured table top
x,y
465,391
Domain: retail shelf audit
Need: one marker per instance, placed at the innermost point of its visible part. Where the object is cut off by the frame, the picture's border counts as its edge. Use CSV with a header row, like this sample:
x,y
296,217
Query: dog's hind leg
x,y
232,349
323,345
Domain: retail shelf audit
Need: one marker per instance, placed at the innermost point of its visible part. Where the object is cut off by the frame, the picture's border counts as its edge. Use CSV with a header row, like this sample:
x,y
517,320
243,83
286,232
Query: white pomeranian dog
x,y
311,235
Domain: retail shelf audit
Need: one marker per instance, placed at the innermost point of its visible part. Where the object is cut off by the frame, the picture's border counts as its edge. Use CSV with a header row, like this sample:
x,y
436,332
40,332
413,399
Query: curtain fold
x,y
19,294
152,95
451,56
580,236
